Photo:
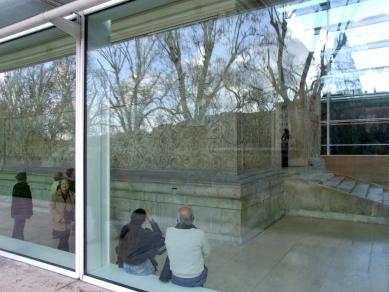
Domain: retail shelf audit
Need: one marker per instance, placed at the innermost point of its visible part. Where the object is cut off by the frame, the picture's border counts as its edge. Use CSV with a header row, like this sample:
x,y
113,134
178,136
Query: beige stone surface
x,y
17,276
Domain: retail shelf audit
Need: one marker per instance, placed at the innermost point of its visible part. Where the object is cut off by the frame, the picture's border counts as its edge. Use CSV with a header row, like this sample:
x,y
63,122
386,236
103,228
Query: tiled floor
x,y
20,277
295,254
306,254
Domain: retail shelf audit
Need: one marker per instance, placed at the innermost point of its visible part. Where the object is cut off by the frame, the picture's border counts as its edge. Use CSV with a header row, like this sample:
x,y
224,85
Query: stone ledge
x,y
339,216
147,283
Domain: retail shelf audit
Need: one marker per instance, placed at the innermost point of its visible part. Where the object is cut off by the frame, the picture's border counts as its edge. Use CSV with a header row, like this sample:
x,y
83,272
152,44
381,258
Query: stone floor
x,y
294,254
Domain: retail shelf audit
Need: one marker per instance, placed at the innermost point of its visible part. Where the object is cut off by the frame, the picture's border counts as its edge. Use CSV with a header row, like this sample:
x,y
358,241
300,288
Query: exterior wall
x,y
233,208
366,168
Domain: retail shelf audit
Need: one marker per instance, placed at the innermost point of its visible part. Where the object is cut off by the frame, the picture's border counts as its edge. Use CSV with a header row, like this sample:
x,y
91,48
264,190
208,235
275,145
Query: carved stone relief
x,y
226,142
28,141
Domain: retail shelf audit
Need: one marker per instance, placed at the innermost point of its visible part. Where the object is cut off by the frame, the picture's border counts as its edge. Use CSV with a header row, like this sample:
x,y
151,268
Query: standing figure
x,y
21,208
138,246
284,148
71,177
187,247
71,174
62,210
55,185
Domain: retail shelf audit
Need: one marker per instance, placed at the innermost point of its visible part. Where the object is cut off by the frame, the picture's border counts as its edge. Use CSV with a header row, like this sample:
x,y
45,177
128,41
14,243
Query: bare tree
x,y
37,106
132,81
204,55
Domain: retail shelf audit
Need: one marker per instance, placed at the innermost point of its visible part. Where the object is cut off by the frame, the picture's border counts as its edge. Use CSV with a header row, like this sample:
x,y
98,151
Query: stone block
x,y
230,222
252,217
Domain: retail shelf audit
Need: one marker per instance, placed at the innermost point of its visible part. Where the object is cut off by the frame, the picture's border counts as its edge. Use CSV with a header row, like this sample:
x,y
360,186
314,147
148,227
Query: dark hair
x,y
70,171
132,229
21,176
286,131
64,178
58,176
138,217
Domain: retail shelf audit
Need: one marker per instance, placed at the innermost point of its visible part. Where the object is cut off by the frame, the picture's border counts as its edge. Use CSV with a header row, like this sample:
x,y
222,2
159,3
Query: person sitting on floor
x,y
138,246
187,247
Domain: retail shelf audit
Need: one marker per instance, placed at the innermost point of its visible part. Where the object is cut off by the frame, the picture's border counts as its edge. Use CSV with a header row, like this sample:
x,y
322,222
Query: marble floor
x,y
294,254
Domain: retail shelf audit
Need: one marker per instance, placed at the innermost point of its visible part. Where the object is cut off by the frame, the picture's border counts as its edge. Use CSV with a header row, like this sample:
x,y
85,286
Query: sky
x,y
369,22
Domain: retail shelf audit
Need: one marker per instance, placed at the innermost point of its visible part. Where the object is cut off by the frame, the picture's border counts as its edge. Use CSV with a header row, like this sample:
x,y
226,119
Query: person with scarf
x,y
138,246
62,210
187,247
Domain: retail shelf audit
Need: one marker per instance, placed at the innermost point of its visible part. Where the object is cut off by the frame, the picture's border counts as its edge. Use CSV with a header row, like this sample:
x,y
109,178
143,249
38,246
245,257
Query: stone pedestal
x,y
230,207
222,168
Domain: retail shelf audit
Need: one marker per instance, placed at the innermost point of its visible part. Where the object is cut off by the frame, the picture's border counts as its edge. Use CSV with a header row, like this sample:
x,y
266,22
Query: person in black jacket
x,y
284,148
138,246
21,208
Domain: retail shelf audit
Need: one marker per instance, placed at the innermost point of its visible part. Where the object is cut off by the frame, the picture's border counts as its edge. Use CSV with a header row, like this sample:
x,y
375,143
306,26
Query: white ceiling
x,y
13,11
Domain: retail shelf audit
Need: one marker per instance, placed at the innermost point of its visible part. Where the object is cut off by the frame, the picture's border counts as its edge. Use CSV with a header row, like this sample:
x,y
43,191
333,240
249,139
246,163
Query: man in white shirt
x,y
187,247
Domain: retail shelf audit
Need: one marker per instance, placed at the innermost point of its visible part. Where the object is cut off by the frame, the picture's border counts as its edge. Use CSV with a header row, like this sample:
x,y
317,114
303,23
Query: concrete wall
x,y
232,208
366,168
304,198
39,185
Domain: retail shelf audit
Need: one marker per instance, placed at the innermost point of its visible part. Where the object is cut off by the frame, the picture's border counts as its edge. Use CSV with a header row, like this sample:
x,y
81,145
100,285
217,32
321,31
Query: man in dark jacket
x,y
21,207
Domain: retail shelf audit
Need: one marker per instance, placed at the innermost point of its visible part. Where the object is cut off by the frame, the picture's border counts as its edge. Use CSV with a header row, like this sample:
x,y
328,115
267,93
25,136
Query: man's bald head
x,y
185,216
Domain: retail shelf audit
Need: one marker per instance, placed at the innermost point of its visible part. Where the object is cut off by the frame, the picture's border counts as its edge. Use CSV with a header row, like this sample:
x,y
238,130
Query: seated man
x,y
187,247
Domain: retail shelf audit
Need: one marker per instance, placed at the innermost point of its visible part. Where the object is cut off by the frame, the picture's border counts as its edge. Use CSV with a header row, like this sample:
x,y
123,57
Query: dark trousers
x,y
284,157
63,240
18,231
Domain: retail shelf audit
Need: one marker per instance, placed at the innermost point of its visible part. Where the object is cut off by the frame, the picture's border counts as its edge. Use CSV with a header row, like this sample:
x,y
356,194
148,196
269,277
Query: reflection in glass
x,y
184,116
37,110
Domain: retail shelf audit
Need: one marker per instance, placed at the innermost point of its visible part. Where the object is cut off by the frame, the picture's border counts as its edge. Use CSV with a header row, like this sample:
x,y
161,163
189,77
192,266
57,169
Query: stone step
x,y
385,198
322,177
375,194
309,174
333,182
347,185
361,190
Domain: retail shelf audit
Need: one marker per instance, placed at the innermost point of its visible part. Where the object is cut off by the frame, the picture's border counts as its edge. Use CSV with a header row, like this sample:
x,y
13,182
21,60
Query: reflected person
x,y
54,187
62,210
57,177
284,148
138,246
21,208
71,174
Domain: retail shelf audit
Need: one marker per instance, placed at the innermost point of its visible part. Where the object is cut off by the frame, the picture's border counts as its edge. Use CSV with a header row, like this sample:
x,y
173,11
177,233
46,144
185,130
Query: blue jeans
x,y
191,282
144,269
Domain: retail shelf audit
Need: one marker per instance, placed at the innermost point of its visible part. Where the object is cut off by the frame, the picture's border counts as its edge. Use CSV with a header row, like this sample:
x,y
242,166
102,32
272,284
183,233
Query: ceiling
x,y
13,11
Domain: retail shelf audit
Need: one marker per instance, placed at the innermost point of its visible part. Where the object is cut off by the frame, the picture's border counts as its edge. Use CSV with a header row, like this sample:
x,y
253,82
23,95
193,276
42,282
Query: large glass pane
x,y
188,106
37,106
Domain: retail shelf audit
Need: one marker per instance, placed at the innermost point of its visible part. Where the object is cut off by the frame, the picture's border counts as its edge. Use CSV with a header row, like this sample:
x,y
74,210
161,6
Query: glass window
x,y
201,106
37,105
